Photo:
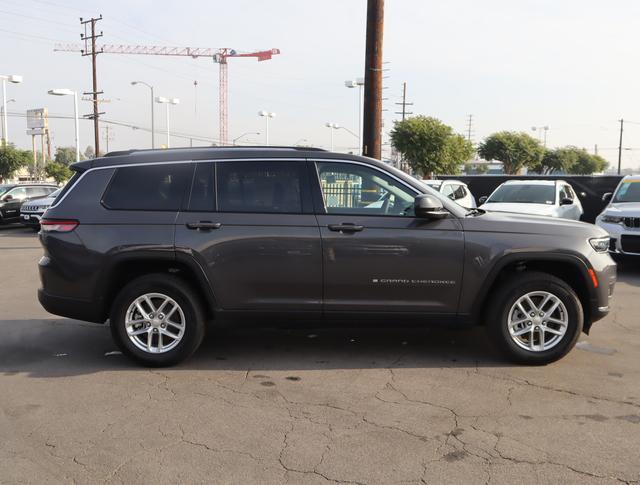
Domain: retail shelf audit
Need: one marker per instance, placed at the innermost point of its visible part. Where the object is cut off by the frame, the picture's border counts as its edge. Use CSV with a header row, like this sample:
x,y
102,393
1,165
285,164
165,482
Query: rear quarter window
x,y
148,187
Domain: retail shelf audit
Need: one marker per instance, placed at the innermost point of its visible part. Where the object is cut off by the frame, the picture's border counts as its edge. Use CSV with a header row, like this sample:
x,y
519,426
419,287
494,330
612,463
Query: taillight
x,y
58,225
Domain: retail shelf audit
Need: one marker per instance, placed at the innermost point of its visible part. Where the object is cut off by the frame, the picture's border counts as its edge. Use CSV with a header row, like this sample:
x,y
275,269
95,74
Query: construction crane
x,y
220,56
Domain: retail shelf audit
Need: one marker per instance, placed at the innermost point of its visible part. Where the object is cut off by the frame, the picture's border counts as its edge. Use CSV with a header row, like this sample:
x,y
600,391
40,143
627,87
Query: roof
x,y
532,182
631,178
29,184
208,153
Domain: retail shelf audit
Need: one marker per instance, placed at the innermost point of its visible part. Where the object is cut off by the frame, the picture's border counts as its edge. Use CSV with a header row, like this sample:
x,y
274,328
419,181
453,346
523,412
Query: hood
x,y
520,208
623,209
530,224
41,201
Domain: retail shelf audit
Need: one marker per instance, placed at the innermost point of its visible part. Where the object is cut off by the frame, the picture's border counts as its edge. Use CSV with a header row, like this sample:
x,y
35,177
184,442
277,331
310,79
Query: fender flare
x,y
575,259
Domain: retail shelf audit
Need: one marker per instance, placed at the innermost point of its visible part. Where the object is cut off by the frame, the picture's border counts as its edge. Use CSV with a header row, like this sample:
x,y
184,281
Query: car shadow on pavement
x,y
60,348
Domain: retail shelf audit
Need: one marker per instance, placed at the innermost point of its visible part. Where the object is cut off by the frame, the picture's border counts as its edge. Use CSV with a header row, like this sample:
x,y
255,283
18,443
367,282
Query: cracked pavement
x,y
353,406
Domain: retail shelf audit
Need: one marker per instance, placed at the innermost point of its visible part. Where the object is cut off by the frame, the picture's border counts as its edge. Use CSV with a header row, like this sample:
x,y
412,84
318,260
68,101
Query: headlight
x,y
611,219
600,244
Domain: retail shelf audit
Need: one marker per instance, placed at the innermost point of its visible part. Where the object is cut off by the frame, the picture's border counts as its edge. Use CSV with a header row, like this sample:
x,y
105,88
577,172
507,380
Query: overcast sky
x,y
569,64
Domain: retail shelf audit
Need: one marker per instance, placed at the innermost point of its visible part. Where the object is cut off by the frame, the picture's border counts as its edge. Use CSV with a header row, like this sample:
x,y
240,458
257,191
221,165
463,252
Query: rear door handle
x,y
345,227
204,225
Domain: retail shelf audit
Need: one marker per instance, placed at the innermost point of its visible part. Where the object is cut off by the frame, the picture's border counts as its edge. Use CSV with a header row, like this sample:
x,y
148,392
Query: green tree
x,y
90,152
12,159
586,164
58,171
429,146
557,160
514,150
66,155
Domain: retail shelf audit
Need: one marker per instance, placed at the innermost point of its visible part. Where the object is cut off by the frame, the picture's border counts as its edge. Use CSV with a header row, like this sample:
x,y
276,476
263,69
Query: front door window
x,y
358,190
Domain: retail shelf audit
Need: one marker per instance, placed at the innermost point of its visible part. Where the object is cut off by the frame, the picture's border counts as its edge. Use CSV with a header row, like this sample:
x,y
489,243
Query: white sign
x,y
37,118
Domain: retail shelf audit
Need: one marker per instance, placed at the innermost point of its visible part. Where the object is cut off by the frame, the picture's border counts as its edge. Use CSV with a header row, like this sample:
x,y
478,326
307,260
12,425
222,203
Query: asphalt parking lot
x,y
310,406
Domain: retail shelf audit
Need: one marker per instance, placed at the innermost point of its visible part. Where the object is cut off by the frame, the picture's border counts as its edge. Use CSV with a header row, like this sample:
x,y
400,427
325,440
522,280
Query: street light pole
x,y
69,92
332,126
153,123
167,101
5,135
233,142
168,129
266,115
16,79
542,133
358,82
3,115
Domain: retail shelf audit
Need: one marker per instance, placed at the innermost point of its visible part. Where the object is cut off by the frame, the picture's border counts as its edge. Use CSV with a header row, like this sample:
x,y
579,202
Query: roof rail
x,y
236,147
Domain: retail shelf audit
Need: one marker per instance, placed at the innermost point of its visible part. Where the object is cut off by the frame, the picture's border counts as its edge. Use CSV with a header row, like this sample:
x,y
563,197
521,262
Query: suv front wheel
x,y
535,318
157,320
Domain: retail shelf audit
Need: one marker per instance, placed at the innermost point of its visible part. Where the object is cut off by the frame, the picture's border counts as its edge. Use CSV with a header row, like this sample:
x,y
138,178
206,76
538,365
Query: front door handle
x,y
345,227
204,225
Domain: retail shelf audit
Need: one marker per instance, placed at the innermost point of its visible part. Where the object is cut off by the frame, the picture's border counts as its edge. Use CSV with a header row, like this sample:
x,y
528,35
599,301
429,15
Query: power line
x,y
123,124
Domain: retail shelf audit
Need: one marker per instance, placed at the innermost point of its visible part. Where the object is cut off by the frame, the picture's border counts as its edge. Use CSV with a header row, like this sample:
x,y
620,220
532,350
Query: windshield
x,y
524,194
628,192
55,193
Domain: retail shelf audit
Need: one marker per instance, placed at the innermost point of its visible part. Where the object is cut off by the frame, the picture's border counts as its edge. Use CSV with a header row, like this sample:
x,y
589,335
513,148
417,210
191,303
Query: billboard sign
x,y
37,118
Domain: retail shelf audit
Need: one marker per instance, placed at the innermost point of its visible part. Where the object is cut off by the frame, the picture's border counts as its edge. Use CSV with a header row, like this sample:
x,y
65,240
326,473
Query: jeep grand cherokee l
x,y
12,196
161,242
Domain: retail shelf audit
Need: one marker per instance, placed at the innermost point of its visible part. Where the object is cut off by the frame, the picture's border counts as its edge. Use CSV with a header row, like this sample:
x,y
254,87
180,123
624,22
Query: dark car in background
x,y
12,196
161,242
32,211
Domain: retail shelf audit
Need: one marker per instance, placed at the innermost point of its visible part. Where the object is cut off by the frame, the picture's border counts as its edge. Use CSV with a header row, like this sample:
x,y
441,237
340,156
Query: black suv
x,y
161,242
12,196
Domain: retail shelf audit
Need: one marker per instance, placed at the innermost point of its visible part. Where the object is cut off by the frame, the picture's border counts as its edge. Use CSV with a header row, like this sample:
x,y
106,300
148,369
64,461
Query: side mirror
x,y
566,201
483,199
607,197
429,207
8,198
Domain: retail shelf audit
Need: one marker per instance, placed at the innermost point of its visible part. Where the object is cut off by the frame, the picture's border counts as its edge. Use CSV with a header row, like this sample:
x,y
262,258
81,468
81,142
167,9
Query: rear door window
x,y
158,187
263,187
203,189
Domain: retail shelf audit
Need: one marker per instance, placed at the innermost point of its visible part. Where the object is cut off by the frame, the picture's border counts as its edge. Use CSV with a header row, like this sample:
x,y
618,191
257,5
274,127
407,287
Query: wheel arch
x,y
568,267
128,267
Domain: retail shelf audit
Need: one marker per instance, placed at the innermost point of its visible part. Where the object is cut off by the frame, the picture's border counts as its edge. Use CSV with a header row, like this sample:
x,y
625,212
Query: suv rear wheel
x,y
157,320
535,318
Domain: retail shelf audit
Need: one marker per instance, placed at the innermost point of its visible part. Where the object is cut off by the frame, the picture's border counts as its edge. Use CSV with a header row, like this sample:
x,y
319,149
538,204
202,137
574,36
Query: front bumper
x,y
606,272
624,240
31,219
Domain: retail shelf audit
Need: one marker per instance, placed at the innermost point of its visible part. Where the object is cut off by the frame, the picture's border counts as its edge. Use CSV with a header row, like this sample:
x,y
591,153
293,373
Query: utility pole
x,y
404,103
108,136
90,50
469,127
620,146
372,139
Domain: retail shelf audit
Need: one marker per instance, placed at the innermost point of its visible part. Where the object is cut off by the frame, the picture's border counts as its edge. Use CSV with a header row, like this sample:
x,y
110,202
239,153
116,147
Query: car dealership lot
x,y
310,405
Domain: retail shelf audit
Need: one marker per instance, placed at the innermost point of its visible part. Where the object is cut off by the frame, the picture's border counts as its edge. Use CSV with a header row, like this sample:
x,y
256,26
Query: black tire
x,y
505,297
182,293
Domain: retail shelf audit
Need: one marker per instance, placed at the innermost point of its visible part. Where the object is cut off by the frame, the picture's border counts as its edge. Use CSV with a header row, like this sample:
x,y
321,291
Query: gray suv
x,y
161,242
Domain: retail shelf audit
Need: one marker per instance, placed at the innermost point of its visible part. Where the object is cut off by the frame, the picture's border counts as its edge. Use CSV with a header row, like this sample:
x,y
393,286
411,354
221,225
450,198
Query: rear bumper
x,y
70,307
